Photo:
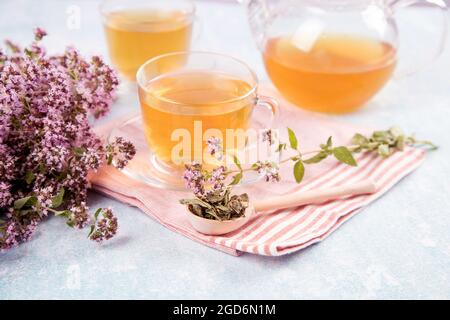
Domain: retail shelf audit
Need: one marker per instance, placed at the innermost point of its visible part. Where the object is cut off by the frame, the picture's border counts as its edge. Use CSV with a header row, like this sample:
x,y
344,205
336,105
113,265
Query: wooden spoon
x,y
296,199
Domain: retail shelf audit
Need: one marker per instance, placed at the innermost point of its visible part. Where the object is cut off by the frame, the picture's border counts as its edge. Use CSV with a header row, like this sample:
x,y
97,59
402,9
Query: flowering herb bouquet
x,y
47,145
212,188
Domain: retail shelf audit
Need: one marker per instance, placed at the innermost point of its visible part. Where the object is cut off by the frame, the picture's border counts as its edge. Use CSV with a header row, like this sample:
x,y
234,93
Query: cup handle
x,y
272,105
439,4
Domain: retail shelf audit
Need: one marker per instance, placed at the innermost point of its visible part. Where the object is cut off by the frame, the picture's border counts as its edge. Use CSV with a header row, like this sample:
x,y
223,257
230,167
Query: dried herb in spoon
x,y
218,205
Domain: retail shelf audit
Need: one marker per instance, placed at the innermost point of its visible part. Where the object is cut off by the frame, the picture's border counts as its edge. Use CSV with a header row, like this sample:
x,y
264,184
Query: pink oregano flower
x,y
47,145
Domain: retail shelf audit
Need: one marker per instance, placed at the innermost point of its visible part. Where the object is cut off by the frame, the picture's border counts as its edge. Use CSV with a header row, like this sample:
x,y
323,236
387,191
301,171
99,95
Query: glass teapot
x,y
332,55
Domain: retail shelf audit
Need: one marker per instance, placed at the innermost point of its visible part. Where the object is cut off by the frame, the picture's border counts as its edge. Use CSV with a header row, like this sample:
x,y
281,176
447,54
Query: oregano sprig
x,y
208,186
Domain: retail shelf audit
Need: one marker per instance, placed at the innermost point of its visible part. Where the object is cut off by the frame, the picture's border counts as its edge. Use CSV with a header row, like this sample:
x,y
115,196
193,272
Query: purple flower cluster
x,y
203,183
39,34
194,178
47,145
105,227
217,178
120,152
267,136
17,230
214,146
269,170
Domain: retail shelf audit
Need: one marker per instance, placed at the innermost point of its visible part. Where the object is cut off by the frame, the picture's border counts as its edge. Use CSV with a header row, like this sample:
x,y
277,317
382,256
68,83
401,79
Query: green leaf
x,y
430,144
384,150
345,156
281,147
359,139
63,213
61,176
16,123
236,179
25,212
396,132
381,135
317,158
97,213
91,231
372,146
29,53
58,199
237,162
29,177
79,151
299,171
72,74
330,142
26,104
26,201
400,144
226,196
109,159
292,139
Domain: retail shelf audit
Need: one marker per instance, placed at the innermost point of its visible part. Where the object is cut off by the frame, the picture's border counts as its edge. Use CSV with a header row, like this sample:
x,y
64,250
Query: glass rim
x,y
251,91
103,3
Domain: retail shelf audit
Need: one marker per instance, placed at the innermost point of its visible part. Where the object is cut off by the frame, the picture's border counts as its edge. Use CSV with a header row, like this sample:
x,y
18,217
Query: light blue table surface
x,y
398,247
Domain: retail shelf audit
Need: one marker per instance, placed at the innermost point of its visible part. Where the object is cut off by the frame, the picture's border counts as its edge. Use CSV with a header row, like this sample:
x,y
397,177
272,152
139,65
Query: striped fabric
x,y
284,231
287,231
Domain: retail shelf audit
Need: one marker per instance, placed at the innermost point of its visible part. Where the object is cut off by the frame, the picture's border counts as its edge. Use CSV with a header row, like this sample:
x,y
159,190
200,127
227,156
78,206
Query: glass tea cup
x,y
188,98
334,55
137,30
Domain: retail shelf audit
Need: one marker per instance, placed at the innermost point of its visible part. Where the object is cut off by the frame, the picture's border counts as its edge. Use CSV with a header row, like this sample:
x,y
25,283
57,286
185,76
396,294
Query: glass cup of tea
x,y
335,55
137,30
188,98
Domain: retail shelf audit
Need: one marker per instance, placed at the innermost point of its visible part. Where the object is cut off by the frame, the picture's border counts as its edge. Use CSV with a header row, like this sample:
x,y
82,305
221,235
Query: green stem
x,y
352,148
300,154
425,143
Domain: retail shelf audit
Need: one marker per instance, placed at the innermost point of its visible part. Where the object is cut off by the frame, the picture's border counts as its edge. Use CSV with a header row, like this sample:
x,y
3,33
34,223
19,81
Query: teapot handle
x,y
442,7
259,14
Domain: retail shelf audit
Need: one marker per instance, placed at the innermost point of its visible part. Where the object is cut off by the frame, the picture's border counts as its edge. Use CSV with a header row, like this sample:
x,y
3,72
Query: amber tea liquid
x,y
135,36
338,74
178,100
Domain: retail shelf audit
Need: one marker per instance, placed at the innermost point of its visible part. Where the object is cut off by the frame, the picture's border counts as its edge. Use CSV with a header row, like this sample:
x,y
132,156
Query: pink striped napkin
x,y
284,231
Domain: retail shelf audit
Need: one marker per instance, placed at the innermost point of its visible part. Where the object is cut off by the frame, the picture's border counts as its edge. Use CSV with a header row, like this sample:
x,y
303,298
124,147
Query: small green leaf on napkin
x,y
299,171
292,139
344,155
